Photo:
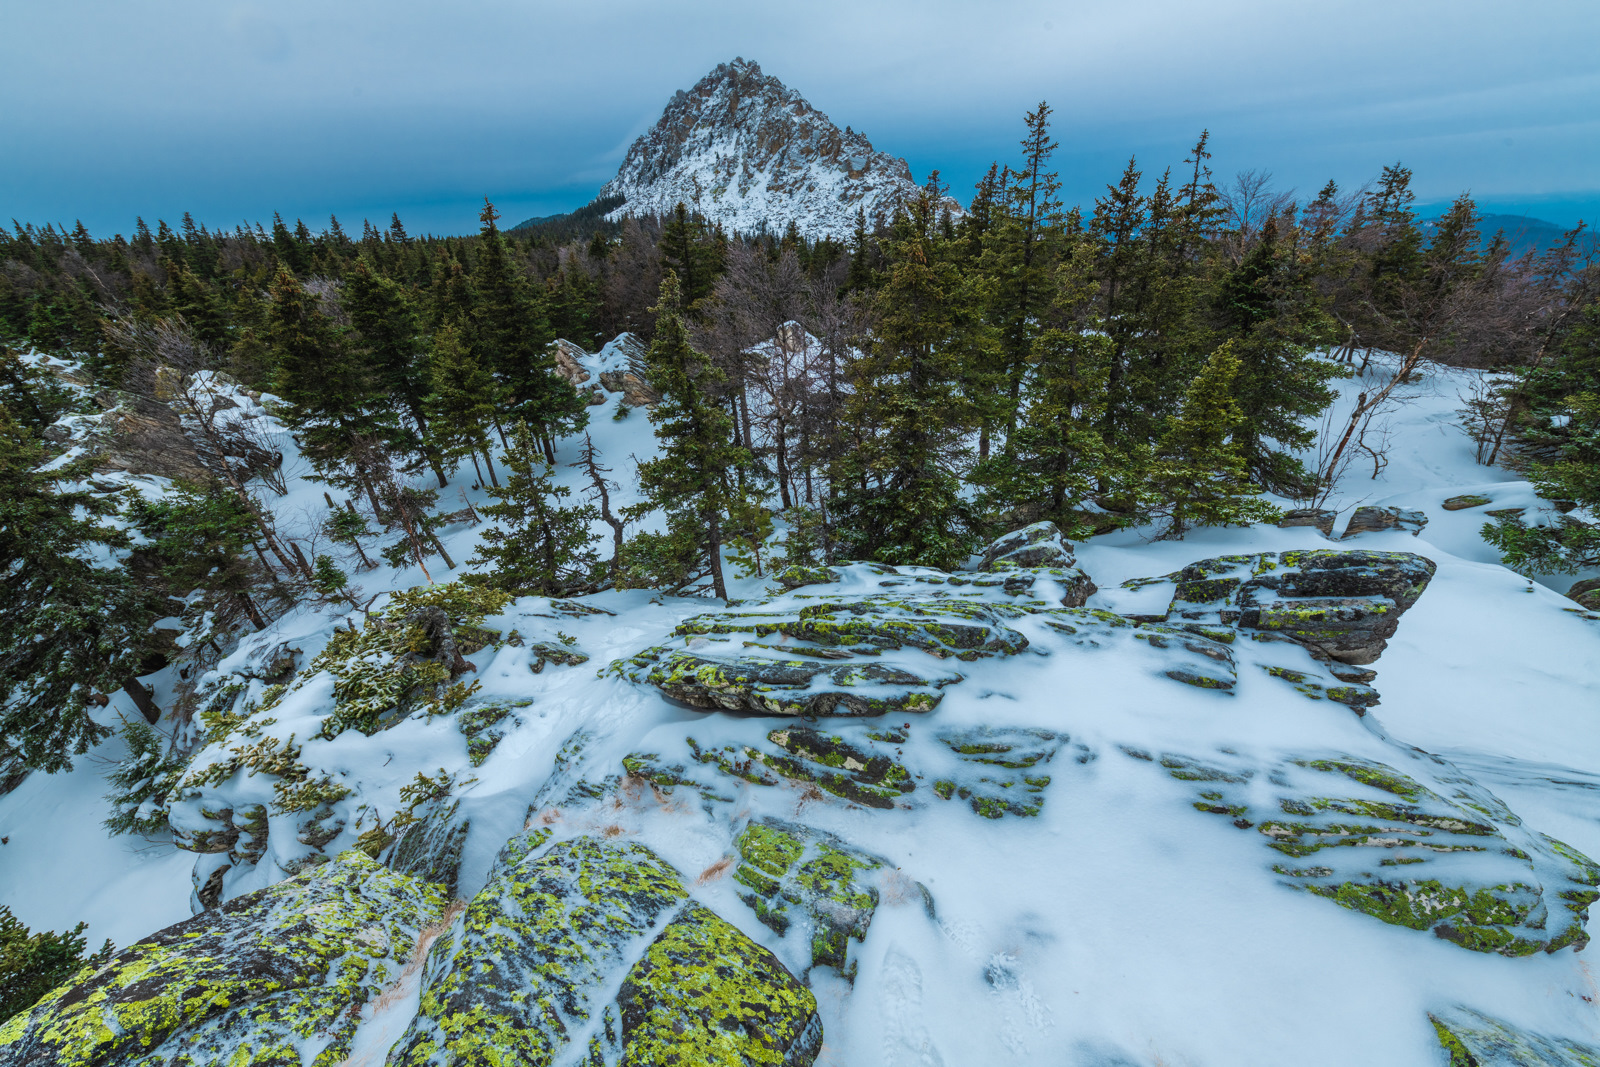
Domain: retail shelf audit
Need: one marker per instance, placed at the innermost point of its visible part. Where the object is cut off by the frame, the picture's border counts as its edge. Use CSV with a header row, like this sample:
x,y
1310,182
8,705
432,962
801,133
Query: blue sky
x,y
111,109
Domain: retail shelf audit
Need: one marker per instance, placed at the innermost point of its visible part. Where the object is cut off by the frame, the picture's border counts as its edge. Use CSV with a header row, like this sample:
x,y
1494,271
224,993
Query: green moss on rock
x,y
705,995
276,968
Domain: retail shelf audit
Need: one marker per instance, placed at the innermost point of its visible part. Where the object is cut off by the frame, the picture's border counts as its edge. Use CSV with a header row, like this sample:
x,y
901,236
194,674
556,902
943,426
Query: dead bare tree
x,y
600,490
170,365
1427,315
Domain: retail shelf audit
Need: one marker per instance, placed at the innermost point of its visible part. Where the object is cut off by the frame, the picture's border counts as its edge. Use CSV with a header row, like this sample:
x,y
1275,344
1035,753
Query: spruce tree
x,y
538,547
692,251
515,336
336,398
1199,476
1268,305
1560,424
72,630
1020,257
388,344
899,490
701,475
1056,459
461,404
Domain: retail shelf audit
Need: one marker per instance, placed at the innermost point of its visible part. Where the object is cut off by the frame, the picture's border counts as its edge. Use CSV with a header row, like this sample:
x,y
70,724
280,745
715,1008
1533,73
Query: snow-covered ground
x,y
1120,926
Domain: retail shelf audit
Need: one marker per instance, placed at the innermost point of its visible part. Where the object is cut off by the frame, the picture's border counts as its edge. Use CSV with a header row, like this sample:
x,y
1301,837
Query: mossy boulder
x,y
1379,519
275,976
1037,552
1466,500
1586,593
523,975
705,995
1340,605
485,726
796,576
789,872
1320,518
1037,545
845,769
1473,1039
521,967
431,847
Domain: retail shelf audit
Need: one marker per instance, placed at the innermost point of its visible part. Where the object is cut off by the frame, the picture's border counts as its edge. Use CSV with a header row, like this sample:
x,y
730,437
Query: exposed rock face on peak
x,y
751,153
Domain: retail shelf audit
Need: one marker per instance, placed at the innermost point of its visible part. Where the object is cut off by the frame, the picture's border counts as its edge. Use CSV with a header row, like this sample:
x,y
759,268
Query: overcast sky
x,y
115,108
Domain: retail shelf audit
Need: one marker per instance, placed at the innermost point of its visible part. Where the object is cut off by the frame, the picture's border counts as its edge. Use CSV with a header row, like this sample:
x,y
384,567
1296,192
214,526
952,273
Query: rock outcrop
x,y
273,977
1321,518
1473,1039
1374,839
1377,520
1341,605
523,974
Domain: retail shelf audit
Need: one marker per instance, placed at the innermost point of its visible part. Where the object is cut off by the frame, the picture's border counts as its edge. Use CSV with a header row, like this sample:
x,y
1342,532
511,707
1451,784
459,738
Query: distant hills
x,y
1525,234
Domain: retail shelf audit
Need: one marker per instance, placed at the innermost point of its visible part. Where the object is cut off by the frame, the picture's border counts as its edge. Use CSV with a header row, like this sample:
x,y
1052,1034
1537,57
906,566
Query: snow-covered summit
x,y
751,153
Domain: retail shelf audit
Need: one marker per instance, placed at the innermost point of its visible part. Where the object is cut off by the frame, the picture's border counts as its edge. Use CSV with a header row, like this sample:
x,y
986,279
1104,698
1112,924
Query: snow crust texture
x,y
1253,798
747,151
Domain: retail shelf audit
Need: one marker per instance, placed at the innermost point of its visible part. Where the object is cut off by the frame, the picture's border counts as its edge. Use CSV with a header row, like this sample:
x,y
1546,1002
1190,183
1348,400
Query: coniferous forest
x,y
1158,356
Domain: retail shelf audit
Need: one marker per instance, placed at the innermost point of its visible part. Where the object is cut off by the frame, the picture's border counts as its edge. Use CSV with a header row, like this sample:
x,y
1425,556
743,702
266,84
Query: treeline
x,y
899,397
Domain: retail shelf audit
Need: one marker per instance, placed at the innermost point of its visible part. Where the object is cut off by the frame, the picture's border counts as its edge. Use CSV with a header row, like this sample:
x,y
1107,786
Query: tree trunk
x,y
439,547
250,609
301,558
141,699
477,469
488,461
714,551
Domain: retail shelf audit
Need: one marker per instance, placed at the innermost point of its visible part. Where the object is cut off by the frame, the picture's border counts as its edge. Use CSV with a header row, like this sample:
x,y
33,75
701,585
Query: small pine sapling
x,y
142,781
1198,468
537,546
31,965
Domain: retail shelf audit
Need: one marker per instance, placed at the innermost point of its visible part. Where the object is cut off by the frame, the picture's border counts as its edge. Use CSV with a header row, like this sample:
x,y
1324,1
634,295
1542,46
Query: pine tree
x,y
1199,471
32,398
1269,307
142,781
31,965
859,279
701,476
195,539
461,404
899,491
335,396
692,251
1055,459
538,547
515,336
1560,425
1020,257
97,618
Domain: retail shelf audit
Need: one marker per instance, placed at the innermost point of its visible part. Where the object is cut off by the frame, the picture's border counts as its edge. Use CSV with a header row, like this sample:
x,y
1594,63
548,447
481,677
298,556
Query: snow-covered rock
x,y
747,151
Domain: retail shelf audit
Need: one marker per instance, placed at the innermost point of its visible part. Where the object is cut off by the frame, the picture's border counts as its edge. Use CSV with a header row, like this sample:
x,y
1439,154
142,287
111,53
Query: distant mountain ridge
x,y
747,151
1523,233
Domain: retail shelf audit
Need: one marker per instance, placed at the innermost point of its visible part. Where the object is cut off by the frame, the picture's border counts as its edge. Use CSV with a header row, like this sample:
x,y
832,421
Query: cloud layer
x,y
235,110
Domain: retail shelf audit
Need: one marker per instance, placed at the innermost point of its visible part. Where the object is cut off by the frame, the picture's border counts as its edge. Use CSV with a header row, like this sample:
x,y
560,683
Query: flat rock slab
x,y
1474,1039
1373,839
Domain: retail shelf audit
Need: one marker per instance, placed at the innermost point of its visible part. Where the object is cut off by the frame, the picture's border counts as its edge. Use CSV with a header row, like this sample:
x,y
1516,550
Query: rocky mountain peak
x,y
753,154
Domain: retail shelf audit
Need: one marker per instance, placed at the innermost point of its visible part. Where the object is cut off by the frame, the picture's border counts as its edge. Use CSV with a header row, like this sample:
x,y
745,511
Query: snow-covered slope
x,y
752,154
1084,862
